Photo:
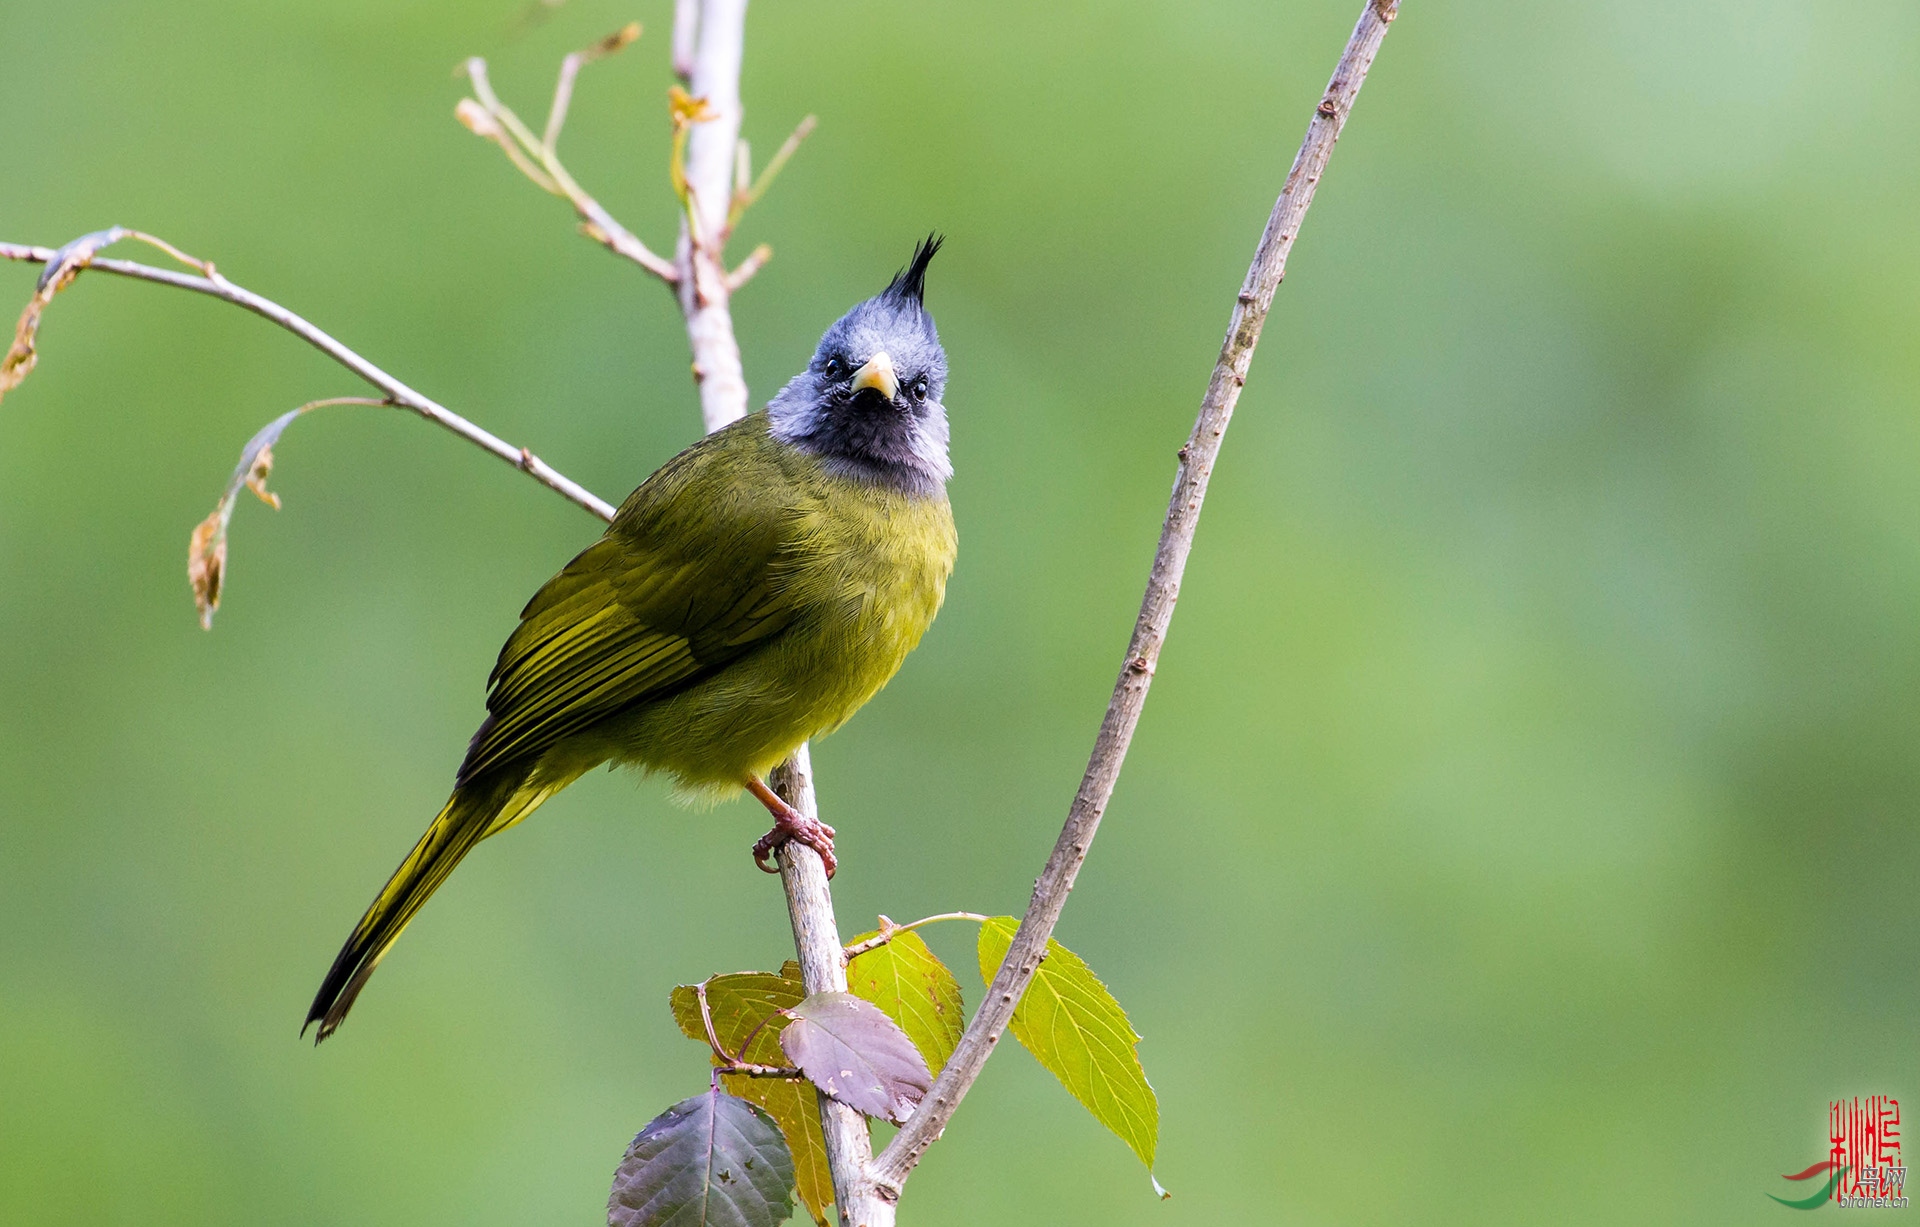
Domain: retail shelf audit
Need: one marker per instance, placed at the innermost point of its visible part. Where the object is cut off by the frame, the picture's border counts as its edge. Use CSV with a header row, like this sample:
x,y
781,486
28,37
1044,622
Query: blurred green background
x,y
1522,826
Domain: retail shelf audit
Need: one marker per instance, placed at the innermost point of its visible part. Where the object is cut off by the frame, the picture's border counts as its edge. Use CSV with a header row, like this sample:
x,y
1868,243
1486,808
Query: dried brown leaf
x,y
207,562
60,272
624,37
257,478
207,548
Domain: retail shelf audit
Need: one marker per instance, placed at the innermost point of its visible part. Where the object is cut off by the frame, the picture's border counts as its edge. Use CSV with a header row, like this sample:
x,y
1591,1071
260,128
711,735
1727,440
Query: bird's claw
x,y
795,826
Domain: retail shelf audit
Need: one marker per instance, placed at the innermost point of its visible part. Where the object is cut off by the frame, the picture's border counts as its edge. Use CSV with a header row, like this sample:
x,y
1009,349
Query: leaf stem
x,y
890,930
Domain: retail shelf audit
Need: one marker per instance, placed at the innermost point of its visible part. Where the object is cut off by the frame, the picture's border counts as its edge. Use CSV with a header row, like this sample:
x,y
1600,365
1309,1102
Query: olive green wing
x,y
683,584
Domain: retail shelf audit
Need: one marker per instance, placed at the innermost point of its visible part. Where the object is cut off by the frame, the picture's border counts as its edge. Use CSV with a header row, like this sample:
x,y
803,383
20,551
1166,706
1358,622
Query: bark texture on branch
x,y
705,298
716,44
892,1168
823,969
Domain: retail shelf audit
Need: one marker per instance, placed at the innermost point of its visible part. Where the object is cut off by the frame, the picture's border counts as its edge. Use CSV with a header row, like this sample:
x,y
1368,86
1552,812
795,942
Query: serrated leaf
x,y
913,988
1070,1022
739,1003
795,1107
713,1160
856,1054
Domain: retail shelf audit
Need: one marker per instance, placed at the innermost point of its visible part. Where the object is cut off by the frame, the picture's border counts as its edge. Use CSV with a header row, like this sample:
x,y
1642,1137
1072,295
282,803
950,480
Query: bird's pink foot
x,y
789,824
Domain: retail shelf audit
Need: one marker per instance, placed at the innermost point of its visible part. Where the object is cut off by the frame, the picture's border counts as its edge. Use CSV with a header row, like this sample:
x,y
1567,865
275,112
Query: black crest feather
x,y
911,282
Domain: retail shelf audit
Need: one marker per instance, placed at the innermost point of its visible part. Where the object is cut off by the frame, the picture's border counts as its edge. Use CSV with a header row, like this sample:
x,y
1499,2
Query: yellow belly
x,y
866,578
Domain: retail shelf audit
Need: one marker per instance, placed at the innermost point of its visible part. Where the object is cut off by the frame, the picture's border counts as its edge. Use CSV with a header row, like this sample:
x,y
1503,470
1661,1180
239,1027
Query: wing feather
x,y
681,585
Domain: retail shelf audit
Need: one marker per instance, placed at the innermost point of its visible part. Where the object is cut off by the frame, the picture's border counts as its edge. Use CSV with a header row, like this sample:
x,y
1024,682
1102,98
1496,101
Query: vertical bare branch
x,y
686,24
823,969
713,33
704,296
892,1168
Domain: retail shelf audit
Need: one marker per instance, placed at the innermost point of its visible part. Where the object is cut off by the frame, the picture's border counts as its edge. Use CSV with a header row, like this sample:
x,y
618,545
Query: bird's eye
x,y
920,389
835,368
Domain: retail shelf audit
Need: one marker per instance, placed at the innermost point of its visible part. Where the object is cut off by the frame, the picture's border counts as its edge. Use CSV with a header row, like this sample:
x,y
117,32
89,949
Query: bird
x,y
749,596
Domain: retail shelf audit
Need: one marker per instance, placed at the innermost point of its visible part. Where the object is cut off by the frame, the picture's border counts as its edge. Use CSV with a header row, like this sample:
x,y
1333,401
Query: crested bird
x,y
750,595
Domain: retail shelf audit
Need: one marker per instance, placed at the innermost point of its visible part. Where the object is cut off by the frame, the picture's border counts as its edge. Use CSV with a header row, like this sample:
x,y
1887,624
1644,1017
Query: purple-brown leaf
x,y
855,1053
713,1160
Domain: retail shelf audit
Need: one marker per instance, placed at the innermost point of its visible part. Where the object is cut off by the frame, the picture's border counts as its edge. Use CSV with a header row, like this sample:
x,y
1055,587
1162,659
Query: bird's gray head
x,y
869,403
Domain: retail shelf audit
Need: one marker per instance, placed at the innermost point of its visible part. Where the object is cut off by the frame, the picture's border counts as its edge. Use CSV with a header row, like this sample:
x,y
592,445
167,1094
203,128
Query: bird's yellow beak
x,y
879,375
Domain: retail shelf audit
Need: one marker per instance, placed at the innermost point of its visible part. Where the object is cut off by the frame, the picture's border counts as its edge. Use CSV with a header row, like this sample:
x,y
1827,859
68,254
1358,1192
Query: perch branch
x,y
1196,460
708,39
823,969
216,286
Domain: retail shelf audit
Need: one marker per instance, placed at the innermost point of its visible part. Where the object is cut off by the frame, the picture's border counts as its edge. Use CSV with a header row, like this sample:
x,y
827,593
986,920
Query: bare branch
x,y
709,38
755,261
686,26
823,969
745,196
896,1163
570,68
536,158
399,393
705,301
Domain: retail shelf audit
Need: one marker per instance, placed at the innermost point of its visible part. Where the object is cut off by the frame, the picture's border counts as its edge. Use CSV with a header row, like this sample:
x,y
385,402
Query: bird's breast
x,y
874,575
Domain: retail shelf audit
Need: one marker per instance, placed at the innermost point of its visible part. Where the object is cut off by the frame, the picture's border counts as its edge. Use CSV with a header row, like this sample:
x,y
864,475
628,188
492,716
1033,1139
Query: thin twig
x,y
896,1163
399,393
750,1070
570,68
745,196
725,1062
706,1020
755,261
536,158
889,930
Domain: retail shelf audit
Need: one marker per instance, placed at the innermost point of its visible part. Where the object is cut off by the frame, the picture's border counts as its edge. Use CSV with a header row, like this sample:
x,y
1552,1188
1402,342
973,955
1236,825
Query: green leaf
x,y
1072,1024
711,1159
739,1003
913,988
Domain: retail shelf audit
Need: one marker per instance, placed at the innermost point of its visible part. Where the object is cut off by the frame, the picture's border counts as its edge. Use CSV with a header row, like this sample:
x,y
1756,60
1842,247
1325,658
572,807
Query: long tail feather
x,y
478,808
